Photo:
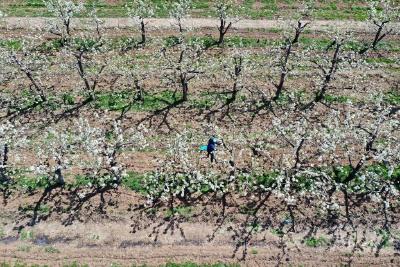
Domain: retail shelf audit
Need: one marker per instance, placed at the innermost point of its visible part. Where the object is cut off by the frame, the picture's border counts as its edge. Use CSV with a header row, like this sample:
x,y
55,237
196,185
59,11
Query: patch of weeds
x,y
52,45
134,181
395,177
2,233
68,99
316,242
113,101
384,172
331,12
379,169
206,41
205,189
283,99
204,102
238,41
245,209
304,183
336,99
94,237
31,184
385,236
267,179
340,173
24,248
34,3
118,101
51,250
183,211
12,44
200,4
85,44
80,181
171,41
353,46
392,98
277,232
254,251
26,235
43,210
389,45
316,43
381,60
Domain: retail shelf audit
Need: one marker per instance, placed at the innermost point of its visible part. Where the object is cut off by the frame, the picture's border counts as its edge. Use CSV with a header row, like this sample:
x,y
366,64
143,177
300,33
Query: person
x,y
211,147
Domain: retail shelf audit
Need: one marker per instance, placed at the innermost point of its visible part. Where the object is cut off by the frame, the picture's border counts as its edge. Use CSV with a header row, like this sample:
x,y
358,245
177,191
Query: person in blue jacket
x,y
211,147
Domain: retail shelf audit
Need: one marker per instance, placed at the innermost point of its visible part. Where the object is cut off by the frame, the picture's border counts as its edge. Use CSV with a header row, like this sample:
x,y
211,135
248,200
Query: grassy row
x,y
331,9
118,101
135,181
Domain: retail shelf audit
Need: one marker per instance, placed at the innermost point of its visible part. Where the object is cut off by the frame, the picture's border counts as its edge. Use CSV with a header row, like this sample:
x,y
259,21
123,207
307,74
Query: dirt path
x,y
317,25
106,242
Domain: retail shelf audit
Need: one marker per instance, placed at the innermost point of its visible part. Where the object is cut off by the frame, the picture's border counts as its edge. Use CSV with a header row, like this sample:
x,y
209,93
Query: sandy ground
x,y
105,243
317,25
101,241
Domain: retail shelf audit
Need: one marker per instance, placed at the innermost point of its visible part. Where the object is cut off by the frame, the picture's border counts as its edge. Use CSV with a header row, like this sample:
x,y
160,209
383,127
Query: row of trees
x,y
141,10
340,162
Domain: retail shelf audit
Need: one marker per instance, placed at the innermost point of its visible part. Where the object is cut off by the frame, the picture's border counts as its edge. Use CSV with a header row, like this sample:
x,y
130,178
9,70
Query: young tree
x,y
381,14
26,69
234,68
181,65
64,10
328,64
85,51
12,137
139,11
287,50
180,10
227,13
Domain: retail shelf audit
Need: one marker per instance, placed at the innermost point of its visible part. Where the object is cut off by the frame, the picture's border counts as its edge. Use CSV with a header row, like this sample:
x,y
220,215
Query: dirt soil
x,y
106,240
316,25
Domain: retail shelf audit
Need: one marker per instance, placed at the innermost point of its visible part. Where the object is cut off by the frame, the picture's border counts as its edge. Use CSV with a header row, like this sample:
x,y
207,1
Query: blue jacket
x,y
212,144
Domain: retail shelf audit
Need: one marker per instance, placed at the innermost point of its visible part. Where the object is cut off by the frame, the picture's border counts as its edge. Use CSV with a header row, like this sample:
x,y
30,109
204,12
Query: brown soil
x,y
102,241
316,25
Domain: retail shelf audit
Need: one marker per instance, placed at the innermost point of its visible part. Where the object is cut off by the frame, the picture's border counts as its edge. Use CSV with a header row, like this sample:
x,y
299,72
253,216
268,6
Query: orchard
x,y
103,123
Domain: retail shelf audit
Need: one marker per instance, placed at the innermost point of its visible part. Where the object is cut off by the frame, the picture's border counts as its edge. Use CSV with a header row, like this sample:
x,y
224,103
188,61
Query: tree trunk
x,y
185,88
3,176
223,29
143,32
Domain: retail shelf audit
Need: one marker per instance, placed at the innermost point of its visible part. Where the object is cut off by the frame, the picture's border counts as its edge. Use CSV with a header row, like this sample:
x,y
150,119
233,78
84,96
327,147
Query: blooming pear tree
x,y
289,44
234,69
381,14
179,11
139,11
182,64
11,139
83,51
65,10
227,13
